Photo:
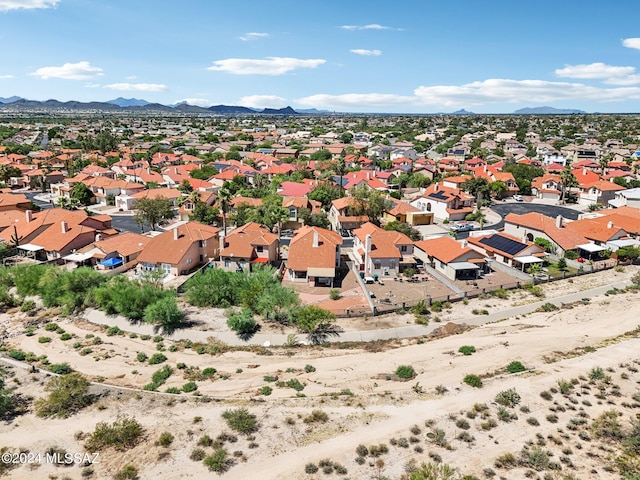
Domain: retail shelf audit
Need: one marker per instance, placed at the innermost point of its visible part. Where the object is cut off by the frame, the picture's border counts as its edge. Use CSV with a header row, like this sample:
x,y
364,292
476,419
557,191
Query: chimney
x,y
367,249
559,221
176,234
435,186
29,215
610,224
584,171
485,168
464,243
65,226
98,237
222,243
368,175
316,239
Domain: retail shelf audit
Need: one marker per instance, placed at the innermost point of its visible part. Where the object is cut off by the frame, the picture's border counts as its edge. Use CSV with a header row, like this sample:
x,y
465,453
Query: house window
x,y
392,264
259,249
201,243
166,268
292,213
227,263
376,265
403,248
428,207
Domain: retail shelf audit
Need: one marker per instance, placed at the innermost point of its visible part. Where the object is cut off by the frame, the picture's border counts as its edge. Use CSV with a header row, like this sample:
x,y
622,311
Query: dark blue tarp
x,y
111,262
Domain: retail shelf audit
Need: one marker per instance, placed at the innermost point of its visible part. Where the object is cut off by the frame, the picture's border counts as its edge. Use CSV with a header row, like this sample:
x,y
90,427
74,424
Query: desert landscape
x,y
344,410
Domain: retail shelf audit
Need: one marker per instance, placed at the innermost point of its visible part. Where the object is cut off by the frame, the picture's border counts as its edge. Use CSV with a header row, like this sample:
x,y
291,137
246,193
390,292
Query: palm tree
x,y
224,197
568,180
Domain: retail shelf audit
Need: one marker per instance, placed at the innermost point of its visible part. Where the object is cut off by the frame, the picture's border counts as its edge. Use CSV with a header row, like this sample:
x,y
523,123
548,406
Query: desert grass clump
x,y
473,380
317,416
219,461
122,434
508,398
241,420
68,394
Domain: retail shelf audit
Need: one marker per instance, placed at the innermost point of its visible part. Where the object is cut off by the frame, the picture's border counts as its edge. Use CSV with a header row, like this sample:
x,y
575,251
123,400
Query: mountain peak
x,y
128,102
547,111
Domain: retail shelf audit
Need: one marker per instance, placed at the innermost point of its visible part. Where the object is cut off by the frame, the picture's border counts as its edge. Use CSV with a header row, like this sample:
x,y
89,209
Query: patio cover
x,y
528,259
591,247
464,266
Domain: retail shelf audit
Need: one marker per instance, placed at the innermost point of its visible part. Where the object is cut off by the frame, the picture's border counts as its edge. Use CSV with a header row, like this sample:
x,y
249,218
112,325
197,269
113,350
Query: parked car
x,y
517,198
463,227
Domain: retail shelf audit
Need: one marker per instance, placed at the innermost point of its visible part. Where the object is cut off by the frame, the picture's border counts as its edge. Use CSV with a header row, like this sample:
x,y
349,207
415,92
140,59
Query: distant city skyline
x,y
378,57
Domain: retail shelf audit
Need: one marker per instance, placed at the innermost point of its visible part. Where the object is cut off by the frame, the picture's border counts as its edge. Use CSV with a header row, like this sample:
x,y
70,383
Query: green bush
x,y
67,395
508,398
295,384
266,390
241,420
218,461
111,331
65,336
473,380
60,368
242,323
17,355
198,454
164,314
157,358
208,372
515,367
467,349
571,255
141,357
122,434
165,439
44,339
547,307
405,372
128,472
189,387
334,294
309,368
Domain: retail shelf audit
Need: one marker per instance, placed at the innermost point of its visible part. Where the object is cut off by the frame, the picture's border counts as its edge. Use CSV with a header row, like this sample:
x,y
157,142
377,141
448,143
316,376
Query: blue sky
x,y
417,56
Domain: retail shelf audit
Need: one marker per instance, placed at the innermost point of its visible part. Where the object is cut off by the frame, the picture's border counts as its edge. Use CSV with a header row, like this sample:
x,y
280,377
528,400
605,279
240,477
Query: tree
x,y
499,188
477,186
67,395
405,228
81,194
164,315
325,193
8,171
368,202
153,211
185,187
224,197
204,213
316,322
628,253
568,180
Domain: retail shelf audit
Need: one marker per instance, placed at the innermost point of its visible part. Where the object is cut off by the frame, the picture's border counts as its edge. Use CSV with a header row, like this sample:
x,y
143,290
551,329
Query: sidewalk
x,y
409,331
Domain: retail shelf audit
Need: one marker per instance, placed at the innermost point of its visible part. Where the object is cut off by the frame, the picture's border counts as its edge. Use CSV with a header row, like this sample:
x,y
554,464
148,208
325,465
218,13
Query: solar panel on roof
x,y
510,247
438,195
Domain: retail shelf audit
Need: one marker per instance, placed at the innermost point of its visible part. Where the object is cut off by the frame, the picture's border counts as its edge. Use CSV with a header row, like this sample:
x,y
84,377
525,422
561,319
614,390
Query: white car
x,y
517,198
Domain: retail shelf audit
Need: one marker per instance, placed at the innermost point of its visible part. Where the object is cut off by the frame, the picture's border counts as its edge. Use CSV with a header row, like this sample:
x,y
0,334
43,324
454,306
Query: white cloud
x,y
490,91
263,101
496,90
631,43
6,5
365,52
92,85
5,77
200,102
357,100
137,87
253,36
69,71
612,75
593,70
268,66
371,26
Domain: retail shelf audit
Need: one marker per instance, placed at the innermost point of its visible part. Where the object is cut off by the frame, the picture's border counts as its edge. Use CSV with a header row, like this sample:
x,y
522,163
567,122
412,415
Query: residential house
x,y
116,251
381,252
247,245
181,249
341,215
445,203
629,197
549,186
508,250
404,212
455,260
598,193
314,256
294,205
128,202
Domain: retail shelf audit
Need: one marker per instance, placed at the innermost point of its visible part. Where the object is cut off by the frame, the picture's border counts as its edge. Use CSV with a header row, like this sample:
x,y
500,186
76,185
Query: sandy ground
x,y
355,387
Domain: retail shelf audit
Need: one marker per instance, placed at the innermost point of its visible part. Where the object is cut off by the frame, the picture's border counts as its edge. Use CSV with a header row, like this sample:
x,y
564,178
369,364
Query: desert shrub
x,y
60,368
65,336
500,293
535,457
122,434
546,395
515,367
533,421
473,380
310,468
565,386
463,424
67,395
309,368
241,420
157,358
552,418
218,461
189,387
128,472
208,372
197,454
44,339
159,377
467,349
508,398
597,373
362,450
295,384
165,439
111,331
242,322
405,372
317,416
547,307
17,355
607,426
164,314
334,294
266,390
141,357
506,460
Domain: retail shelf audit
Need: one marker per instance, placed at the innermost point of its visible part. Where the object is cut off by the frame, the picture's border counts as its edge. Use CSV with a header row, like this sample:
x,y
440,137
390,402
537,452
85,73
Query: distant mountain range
x,y
546,111
135,104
